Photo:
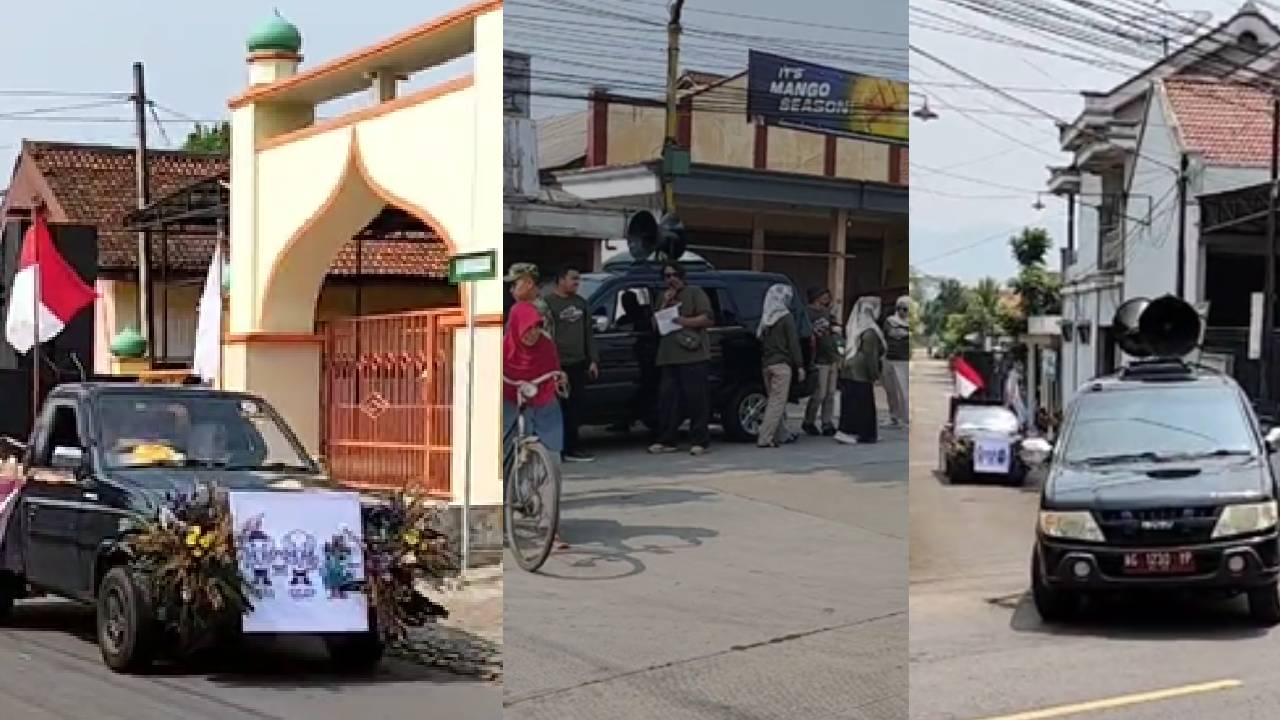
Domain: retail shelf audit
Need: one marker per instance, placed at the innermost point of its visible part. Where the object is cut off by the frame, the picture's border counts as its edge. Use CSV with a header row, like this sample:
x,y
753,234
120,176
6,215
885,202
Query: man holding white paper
x,y
684,358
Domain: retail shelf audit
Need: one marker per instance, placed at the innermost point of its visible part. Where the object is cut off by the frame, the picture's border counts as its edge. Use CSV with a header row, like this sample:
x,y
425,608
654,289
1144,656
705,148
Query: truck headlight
x,y
1245,518
1070,525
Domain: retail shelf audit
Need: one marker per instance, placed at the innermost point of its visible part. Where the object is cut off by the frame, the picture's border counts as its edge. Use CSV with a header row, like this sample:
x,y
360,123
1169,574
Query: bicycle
x,y
531,510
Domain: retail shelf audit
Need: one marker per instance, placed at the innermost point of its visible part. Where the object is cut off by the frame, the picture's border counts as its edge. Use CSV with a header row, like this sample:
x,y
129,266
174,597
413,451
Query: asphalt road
x,y
50,669
978,647
745,584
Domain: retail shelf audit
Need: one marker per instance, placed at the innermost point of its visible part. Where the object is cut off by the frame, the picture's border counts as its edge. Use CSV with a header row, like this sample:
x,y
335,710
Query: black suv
x,y
1161,480
620,301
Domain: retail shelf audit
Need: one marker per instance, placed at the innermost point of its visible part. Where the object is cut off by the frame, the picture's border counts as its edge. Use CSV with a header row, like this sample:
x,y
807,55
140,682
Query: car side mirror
x,y
1036,451
68,458
1273,439
601,323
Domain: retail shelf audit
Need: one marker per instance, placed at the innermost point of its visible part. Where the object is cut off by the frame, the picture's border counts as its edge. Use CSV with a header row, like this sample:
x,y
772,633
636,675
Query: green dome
x,y
128,344
275,34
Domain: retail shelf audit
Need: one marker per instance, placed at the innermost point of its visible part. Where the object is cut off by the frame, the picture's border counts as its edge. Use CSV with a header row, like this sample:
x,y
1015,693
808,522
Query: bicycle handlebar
x,y
528,388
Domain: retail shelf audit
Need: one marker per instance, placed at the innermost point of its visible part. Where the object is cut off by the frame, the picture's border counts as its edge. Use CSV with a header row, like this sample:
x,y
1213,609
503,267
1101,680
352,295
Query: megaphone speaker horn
x,y
642,234
672,239
1170,326
1125,327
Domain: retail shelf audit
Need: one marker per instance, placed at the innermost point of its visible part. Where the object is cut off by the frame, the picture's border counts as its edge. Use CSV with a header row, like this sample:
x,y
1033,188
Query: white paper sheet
x,y
667,319
991,456
288,545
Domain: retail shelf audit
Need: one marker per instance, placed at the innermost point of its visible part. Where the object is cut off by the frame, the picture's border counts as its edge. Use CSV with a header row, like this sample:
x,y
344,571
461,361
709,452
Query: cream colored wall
x,y
796,151
634,134
862,160
719,137
294,205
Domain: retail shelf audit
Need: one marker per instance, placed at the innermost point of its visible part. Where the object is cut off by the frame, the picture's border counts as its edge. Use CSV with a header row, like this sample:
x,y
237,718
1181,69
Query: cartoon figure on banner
x,y
339,565
300,554
257,552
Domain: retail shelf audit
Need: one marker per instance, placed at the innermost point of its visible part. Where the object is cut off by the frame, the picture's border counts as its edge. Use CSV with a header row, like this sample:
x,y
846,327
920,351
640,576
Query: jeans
x,y
544,421
572,405
684,390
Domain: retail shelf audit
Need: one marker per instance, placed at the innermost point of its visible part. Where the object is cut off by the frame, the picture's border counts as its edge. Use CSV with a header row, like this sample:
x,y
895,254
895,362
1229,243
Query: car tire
x,y
355,653
735,418
126,625
1264,605
1054,604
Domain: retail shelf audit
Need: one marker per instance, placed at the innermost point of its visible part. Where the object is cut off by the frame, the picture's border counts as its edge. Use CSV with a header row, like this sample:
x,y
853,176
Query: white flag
x,y
208,354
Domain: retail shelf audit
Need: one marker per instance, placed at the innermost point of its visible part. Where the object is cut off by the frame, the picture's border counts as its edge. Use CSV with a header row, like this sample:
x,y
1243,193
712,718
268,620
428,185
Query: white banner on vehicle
x,y
991,455
298,551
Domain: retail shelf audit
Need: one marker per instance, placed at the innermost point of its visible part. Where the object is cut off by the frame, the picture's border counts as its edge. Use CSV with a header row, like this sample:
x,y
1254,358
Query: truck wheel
x,y
126,622
744,412
1264,605
1054,605
355,653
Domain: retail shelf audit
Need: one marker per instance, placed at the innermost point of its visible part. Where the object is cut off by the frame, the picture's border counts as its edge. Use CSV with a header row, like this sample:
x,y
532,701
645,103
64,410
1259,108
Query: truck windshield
x,y
216,432
1156,424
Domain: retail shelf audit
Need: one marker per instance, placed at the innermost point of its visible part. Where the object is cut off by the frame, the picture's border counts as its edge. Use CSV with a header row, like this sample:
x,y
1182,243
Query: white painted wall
x,y
1151,249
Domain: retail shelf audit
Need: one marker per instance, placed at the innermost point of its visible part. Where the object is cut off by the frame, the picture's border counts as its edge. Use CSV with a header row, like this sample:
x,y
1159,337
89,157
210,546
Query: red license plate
x,y
1159,563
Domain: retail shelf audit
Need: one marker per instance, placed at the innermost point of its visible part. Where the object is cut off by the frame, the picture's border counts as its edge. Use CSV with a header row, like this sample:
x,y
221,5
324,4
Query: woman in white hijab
x,y
864,360
779,356
897,332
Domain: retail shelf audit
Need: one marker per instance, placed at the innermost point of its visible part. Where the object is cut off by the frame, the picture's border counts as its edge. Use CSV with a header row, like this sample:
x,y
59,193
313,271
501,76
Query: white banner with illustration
x,y
299,551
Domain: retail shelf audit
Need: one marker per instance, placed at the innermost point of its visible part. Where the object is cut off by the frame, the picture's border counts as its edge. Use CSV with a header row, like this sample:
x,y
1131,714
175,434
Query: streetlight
x,y
1038,205
924,112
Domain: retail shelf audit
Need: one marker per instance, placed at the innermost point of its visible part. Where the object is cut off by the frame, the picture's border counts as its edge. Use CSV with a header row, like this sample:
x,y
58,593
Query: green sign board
x,y
471,267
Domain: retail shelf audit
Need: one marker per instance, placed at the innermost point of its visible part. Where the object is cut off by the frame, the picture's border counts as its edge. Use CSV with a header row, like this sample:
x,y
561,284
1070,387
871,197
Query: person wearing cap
x,y
684,359
897,333
826,332
524,278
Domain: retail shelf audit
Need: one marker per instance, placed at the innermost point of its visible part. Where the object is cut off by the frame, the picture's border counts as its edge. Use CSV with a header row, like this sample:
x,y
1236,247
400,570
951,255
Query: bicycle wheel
x,y
532,507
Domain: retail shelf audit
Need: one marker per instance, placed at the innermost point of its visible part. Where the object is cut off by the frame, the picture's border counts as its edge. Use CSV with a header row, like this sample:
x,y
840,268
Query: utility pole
x,y
1269,289
146,298
1182,228
671,140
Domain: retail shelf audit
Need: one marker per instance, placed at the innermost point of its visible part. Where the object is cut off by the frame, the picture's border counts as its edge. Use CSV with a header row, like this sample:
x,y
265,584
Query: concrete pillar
x,y
1033,387
383,85
757,243
837,244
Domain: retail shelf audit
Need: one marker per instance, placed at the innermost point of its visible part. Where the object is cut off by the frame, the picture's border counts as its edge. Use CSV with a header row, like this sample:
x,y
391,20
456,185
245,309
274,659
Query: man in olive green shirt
x,y
576,344
684,359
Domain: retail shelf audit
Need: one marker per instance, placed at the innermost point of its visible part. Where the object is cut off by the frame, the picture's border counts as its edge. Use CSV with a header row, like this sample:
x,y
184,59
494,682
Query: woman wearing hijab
x,y
897,332
528,353
779,354
864,359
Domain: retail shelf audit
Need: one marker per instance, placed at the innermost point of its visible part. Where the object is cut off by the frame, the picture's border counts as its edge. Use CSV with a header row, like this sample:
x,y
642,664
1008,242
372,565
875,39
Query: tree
x,y
949,300
1039,292
212,139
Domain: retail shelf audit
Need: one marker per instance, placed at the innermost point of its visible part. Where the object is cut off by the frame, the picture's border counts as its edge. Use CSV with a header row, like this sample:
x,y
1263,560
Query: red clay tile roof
x,y
95,186
1228,123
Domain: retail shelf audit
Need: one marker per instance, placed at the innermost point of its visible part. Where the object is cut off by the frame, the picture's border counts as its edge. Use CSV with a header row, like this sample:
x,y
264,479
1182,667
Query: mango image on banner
x,y
880,107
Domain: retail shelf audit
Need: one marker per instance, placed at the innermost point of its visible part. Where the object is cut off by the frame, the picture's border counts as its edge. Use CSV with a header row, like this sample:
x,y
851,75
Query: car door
x,y
626,346
52,501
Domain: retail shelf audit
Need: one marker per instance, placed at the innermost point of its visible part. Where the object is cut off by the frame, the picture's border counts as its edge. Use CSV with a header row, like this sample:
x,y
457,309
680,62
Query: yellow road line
x,y
1120,701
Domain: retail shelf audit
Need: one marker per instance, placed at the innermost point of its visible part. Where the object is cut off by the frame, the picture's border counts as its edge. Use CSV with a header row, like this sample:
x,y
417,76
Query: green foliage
x,y
949,300
1030,246
211,139
1039,292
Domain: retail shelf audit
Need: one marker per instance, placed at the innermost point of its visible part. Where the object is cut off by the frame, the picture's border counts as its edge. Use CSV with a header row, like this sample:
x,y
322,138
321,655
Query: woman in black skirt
x,y
864,360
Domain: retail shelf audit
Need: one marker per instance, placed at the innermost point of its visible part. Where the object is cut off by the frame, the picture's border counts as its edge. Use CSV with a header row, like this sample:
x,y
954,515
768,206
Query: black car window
x,y
748,295
63,432
726,314
1157,422
632,310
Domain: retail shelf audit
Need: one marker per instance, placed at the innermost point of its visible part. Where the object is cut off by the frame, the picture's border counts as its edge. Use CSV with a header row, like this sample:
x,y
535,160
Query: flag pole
x,y
38,213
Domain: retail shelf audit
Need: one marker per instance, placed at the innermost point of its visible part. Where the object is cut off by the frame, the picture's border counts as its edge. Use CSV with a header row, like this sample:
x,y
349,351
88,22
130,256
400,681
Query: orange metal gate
x,y
387,399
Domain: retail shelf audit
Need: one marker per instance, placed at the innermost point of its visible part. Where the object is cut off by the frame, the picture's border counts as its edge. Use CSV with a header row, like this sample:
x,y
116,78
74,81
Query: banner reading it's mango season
x,y
787,92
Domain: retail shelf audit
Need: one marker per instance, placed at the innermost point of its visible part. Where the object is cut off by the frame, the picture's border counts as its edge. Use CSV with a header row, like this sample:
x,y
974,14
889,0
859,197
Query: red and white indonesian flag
x,y
968,380
46,292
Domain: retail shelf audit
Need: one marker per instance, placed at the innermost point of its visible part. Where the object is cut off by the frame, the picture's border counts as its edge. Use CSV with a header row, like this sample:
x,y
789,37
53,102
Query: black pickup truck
x,y
79,485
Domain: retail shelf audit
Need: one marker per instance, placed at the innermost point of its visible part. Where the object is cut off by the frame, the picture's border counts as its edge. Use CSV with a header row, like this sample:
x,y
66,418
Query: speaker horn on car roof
x,y
1166,327
642,234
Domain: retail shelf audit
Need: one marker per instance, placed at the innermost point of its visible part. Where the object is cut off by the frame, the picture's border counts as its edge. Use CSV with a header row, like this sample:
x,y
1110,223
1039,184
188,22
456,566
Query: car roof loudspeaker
x,y
1170,327
672,239
642,235
1125,327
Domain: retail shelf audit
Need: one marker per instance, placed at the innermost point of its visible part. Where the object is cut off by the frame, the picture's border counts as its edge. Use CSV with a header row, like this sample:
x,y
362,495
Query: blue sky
x,y
194,54
959,227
